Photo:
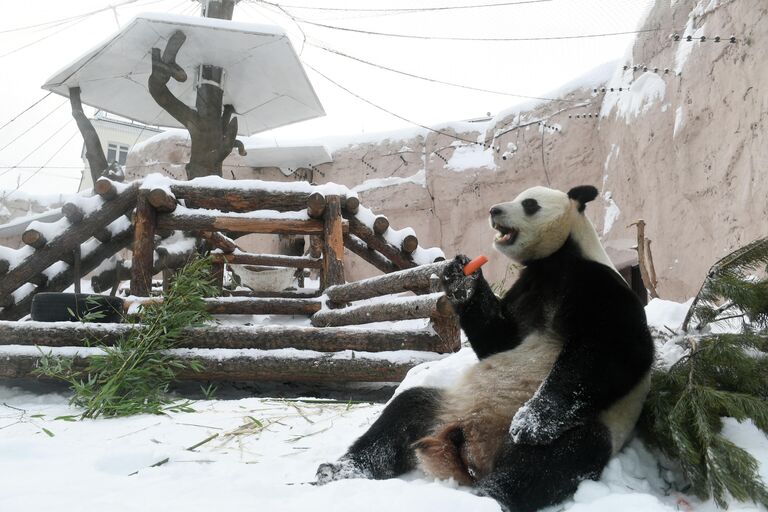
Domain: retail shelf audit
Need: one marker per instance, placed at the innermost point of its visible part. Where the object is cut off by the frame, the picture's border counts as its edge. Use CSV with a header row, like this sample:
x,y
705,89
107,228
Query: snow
x,y
50,230
679,121
645,91
256,214
266,450
611,211
471,157
685,48
666,313
15,257
420,178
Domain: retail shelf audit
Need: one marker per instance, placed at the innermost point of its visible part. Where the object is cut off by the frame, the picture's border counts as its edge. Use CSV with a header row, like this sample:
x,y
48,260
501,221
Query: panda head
x,y
539,221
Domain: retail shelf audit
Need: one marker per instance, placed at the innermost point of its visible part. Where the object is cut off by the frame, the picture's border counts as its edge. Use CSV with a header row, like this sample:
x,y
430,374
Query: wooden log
x,y
73,213
331,339
64,243
171,260
106,188
333,242
238,199
197,222
5,265
217,276
105,279
352,205
34,238
316,205
359,247
315,247
258,366
77,274
409,244
392,253
380,225
62,281
162,200
399,308
268,260
415,280
103,235
291,294
255,306
444,321
217,240
143,246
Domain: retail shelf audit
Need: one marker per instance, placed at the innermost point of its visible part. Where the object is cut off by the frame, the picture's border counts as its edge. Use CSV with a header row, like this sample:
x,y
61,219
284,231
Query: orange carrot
x,y
475,264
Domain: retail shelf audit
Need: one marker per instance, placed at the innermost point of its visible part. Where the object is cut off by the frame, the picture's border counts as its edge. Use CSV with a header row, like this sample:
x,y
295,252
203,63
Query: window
x,y
117,153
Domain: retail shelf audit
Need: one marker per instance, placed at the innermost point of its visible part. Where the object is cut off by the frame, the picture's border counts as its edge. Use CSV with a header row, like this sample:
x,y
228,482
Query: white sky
x,y
28,57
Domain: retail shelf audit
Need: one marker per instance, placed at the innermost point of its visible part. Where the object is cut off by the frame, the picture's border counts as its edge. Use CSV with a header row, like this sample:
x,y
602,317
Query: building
x,y
117,137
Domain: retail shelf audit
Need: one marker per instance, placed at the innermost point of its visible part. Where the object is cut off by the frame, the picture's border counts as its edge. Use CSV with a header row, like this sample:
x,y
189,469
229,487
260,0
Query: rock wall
x,y
683,150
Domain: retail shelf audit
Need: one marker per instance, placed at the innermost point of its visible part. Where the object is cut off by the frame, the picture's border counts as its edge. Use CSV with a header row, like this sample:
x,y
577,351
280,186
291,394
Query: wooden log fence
x,y
202,222
375,258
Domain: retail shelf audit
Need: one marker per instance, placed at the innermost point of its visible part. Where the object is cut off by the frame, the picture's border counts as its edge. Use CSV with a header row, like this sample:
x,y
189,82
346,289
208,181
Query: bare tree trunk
x,y
94,153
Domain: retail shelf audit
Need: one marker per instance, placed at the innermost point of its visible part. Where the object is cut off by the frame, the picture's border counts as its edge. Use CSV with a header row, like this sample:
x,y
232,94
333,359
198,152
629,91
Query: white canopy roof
x,y
264,79
288,159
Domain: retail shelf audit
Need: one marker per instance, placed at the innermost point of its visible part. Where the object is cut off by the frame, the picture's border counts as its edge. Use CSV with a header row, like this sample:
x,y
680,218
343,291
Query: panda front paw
x,y
340,470
459,288
536,423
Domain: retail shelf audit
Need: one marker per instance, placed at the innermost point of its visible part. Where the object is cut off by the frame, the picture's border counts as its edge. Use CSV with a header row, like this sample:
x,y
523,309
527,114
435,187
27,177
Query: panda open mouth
x,y
506,236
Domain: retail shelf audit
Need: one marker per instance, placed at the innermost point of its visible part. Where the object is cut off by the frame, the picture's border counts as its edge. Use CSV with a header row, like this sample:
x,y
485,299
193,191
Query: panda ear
x,y
583,194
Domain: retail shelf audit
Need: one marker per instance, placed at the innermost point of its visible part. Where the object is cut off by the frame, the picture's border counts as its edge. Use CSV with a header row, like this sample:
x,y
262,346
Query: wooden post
x,y
217,273
333,242
316,205
143,246
77,274
641,258
444,321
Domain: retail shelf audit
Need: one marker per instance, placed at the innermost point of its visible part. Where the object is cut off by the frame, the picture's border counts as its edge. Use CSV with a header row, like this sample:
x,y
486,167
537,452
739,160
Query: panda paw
x,y
340,470
532,425
458,287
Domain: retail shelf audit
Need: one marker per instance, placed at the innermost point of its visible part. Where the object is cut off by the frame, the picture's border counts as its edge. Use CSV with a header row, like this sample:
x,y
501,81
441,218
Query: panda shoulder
x,y
600,283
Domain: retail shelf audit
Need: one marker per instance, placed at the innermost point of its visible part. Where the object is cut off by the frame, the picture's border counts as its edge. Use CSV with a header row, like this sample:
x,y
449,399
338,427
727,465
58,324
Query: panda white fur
x,y
564,368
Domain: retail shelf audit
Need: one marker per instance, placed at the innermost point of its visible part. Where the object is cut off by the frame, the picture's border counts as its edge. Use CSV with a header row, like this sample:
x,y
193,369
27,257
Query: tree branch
x,y
94,153
163,69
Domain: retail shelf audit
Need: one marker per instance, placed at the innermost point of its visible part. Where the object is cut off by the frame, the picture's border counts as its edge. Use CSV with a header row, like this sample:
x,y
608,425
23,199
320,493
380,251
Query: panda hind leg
x,y
526,478
386,450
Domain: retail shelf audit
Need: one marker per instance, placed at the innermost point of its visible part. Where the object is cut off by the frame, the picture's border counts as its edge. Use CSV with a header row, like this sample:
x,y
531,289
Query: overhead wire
x,y
428,79
47,36
46,116
42,166
33,105
36,149
70,18
403,9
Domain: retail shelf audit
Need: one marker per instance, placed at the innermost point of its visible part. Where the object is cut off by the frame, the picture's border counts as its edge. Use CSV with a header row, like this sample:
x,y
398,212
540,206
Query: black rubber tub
x,y
75,307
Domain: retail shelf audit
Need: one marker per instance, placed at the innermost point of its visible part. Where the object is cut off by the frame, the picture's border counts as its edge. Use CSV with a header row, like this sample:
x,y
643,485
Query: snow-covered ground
x,y
264,452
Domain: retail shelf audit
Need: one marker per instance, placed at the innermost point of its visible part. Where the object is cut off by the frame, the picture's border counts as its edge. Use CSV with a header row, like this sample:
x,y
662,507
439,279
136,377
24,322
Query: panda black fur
x,y
563,372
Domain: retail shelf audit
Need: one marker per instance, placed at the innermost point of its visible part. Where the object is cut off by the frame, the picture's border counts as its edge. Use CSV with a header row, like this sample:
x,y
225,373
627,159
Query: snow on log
x,y
68,240
62,276
269,260
366,234
415,280
398,308
259,306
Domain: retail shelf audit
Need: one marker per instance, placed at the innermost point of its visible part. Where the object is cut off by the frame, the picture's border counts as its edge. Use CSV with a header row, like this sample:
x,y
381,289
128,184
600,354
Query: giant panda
x,y
563,370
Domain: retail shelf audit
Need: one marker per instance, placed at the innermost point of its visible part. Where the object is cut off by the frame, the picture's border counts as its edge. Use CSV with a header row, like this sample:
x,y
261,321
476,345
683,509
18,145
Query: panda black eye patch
x,y
530,206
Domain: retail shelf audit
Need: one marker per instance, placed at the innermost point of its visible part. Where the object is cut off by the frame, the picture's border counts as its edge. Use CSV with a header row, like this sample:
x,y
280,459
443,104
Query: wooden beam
x,y
410,243
71,238
73,213
331,339
256,306
399,308
274,295
199,222
217,240
161,200
380,225
62,281
415,280
106,188
143,246
316,205
352,205
333,242
269,260
256,366
5,265
34,238
394,254
359,247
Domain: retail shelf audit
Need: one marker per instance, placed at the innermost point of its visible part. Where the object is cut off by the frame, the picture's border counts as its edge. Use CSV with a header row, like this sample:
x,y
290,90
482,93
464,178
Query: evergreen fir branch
x,y
722,376
728,282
